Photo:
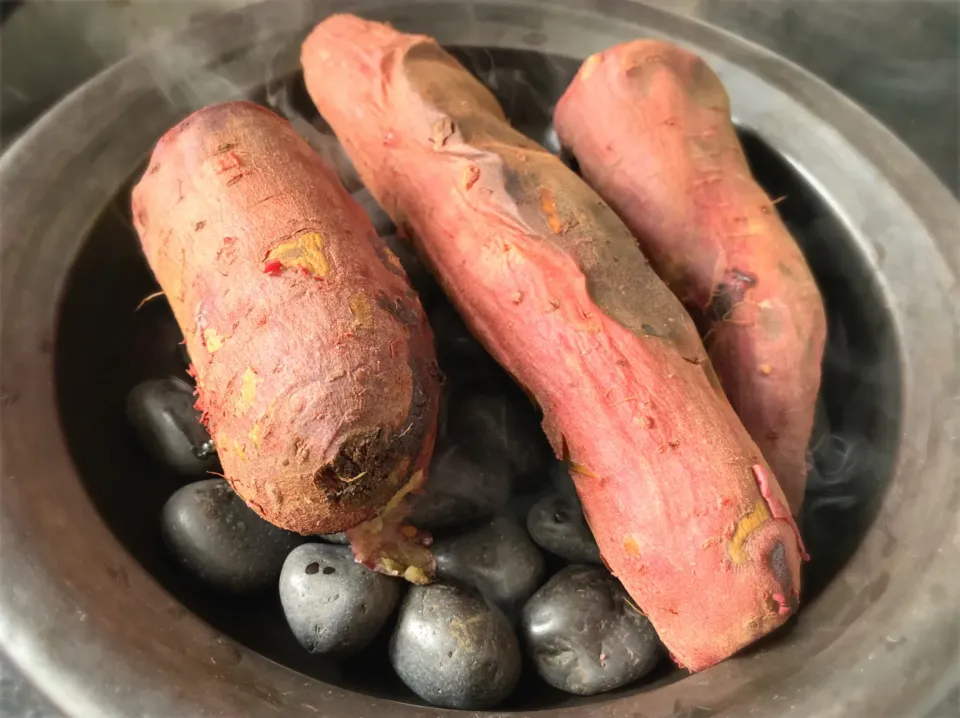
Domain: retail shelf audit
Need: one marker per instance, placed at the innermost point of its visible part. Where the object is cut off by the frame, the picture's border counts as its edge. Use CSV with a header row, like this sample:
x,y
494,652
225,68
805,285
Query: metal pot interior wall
x,y
100,618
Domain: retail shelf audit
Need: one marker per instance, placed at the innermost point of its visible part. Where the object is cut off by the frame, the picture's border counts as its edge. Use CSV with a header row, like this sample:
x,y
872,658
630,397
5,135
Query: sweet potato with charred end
x,y
313,358
684,509
667,159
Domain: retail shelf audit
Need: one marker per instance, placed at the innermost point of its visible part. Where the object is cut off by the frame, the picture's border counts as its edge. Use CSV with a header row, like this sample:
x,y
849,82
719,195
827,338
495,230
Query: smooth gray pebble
x,y
557,525
332,603
216,537
164,420
583,634
502,424
498,559
454,649
461,487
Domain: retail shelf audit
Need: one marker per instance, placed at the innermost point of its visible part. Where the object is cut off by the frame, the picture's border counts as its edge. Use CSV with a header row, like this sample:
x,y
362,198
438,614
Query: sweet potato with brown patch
x,y
684,509
313,358
666,157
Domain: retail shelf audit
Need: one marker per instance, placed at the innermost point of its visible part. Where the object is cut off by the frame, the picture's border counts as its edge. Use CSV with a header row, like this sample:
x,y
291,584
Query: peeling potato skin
x,y
668,160
314,361
553,284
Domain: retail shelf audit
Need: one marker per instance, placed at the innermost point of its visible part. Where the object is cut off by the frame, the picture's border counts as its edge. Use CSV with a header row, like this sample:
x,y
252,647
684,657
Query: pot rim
x,y
70,610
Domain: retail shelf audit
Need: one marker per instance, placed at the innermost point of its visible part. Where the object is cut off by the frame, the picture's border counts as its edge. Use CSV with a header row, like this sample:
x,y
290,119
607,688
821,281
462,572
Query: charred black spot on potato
x,y
777,562
363,463
728,294
370,468
402,311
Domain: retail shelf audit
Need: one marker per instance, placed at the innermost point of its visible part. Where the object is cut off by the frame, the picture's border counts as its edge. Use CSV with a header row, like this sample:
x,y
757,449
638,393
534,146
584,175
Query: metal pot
x,y
93,615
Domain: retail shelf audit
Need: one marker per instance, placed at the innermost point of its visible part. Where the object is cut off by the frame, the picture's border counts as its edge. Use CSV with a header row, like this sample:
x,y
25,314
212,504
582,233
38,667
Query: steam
x,y
849,460
191,61
843,461
527,85
843,456
282,97
198,58
836,458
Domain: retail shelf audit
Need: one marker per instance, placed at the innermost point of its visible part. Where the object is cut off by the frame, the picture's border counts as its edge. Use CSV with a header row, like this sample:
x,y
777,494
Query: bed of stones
x,y
522,599
520,583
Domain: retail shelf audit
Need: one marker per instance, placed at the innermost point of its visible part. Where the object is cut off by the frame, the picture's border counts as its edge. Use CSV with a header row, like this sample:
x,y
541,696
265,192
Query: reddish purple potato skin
x,y
316,375
668,160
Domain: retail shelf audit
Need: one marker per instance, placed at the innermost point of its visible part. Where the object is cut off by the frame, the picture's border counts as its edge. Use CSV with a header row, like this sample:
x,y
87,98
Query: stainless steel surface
x,y
899,59
19,698
879,641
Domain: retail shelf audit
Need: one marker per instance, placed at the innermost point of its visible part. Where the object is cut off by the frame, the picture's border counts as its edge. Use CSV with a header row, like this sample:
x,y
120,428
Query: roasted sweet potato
x,y
683,506
667,159
313,358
